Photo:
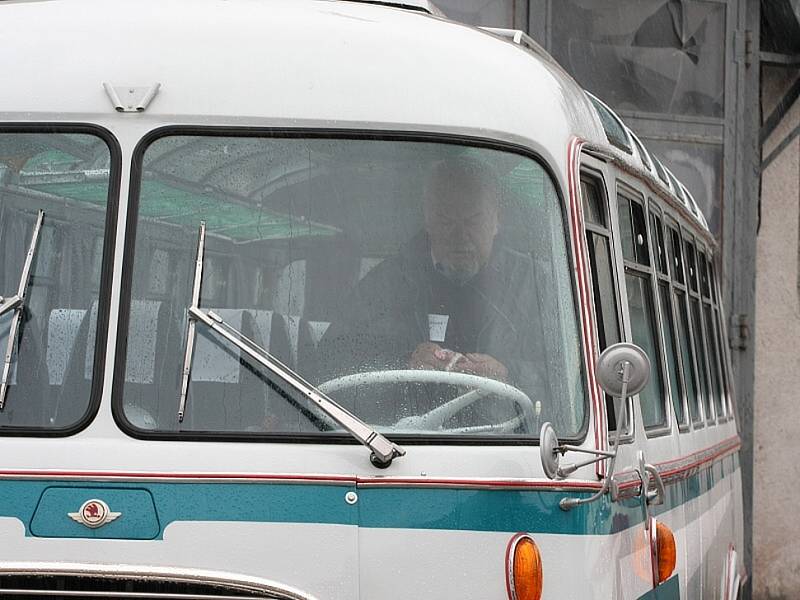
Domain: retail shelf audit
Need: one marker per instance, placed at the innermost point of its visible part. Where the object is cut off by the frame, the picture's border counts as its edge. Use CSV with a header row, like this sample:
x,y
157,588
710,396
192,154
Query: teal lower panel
x,y
148,508
503,510
669,590
493,510
137,518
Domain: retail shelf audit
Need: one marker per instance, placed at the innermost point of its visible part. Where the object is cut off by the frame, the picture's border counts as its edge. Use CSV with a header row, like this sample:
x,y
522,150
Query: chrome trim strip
x,y
520,484
106,594
183,478
669,471
686,466
245,583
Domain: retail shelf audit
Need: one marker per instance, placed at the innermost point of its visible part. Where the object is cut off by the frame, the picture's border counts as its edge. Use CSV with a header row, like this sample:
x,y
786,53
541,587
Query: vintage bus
x,y
317,299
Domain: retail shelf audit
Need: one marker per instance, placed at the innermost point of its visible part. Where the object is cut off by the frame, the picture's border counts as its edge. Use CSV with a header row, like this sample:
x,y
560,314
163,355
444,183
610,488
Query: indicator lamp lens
x,y
524,569
666,552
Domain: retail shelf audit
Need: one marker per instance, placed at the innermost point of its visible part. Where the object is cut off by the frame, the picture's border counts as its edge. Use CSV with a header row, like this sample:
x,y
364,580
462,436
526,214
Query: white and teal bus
x,y
318,299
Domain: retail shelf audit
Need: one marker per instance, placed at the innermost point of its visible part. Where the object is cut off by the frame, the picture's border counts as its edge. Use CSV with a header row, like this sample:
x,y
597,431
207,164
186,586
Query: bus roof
x,y
423,5
298,63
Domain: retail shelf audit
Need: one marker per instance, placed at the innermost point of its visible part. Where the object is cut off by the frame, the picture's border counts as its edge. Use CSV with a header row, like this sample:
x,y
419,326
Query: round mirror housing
x,y
611,365
548,444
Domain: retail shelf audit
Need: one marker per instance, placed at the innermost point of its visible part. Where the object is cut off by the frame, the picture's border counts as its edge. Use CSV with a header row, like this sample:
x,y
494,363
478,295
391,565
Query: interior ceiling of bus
x,y
185,176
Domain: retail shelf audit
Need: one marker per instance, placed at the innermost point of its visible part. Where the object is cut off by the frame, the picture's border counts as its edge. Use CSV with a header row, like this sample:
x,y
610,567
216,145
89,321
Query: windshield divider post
x,y
17,303
192,322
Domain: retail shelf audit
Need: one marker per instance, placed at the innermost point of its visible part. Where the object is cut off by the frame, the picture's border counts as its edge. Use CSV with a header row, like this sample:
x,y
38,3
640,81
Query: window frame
x,y
136,172
724,348
666,280
697,296
599,179
106,268
711,303
627,192
680,291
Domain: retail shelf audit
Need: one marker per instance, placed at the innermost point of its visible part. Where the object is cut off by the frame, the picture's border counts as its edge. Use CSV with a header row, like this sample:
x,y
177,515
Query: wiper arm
x,y
17,304
7,304
383,451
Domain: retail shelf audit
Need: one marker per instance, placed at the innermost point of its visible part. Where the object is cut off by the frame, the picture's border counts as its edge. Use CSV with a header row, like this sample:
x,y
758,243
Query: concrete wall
x,y
776,493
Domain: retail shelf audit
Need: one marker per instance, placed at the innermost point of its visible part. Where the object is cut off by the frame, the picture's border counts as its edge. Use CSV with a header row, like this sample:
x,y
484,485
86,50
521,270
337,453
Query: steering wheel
x,y
436,418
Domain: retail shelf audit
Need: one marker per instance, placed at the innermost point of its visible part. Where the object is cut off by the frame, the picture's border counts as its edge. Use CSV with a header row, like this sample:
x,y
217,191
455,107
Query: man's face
x,y
461,222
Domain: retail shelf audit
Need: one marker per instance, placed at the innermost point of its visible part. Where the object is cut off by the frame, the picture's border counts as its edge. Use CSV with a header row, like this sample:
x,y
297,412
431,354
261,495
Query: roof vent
x,y
130,98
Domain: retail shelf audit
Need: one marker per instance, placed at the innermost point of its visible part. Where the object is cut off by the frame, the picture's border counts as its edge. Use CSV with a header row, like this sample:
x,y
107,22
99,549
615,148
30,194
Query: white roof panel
x,y
286,61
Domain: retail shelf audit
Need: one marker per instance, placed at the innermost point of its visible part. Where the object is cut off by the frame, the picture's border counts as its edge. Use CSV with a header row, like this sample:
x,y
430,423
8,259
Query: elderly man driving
x,y
454,299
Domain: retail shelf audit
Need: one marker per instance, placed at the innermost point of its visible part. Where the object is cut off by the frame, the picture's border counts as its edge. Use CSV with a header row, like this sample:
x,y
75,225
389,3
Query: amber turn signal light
x,y
523,568
664,551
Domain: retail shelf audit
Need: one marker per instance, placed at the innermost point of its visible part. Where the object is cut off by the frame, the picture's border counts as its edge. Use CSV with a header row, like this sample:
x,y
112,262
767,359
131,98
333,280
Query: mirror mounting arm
x,y
569,503
622,371
564,448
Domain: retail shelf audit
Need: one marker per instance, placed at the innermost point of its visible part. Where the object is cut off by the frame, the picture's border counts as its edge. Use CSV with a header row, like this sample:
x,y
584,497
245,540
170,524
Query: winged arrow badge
x,y
93,514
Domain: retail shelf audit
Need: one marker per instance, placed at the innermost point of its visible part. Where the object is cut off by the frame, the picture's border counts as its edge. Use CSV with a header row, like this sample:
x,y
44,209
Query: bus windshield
x,y
54,191
424,287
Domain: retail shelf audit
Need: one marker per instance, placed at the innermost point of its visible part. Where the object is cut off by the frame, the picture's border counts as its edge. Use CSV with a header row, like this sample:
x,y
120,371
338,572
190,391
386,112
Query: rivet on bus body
x,y
351,497
524,576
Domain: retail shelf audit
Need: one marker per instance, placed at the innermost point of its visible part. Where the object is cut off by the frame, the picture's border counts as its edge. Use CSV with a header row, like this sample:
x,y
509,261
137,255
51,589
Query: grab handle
x,y
657,495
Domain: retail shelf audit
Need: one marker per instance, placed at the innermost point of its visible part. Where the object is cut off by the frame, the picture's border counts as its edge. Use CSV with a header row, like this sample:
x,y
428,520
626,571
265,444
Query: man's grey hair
x,y
465,173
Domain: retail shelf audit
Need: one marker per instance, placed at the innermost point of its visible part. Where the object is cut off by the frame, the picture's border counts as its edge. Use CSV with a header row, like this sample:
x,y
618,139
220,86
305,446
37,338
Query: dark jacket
x,y
386,317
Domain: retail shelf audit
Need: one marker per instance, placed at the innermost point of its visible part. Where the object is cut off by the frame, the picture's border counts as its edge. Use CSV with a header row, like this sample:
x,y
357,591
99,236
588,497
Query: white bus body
x,y
235,506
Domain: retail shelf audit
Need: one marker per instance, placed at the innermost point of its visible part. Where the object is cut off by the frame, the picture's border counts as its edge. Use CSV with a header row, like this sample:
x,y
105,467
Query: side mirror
x,y
549,451
622,371
610,370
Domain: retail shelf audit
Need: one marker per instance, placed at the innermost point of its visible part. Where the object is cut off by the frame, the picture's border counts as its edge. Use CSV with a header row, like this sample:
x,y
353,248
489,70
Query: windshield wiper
x,y
17,304
383,451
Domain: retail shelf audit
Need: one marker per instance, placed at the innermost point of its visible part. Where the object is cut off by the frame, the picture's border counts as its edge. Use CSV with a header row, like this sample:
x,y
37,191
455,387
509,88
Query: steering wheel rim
x,y
435,418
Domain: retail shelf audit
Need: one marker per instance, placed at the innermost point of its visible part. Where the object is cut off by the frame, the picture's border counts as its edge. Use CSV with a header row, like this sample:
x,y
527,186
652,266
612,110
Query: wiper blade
x,y
17,304
383,451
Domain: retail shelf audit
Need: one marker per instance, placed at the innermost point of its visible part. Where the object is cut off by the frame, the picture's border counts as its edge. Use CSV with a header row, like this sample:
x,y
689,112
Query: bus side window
x,y
721,342
641,305
678,277
696,319
712,339
598,241
723,360
668,317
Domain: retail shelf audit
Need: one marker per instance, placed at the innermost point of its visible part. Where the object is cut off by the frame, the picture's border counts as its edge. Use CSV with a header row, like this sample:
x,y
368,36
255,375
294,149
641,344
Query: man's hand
x,y
483,365
429,355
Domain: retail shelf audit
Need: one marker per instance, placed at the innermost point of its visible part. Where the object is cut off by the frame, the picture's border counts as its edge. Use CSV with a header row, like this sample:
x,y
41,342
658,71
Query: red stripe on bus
x,y
587,329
